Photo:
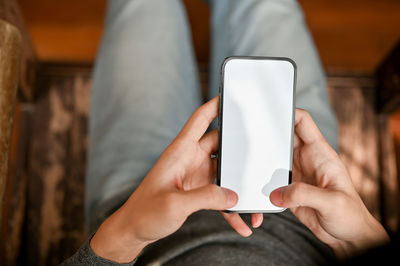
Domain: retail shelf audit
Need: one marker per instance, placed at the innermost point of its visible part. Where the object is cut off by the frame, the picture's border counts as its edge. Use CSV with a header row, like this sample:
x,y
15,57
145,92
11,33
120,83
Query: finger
x,y
209,142
297,142
305,127
301,194
256,219
200,120
237,224
209,197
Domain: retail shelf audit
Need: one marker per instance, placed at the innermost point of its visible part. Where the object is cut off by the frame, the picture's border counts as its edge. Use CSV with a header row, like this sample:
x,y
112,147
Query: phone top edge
x,y
277,58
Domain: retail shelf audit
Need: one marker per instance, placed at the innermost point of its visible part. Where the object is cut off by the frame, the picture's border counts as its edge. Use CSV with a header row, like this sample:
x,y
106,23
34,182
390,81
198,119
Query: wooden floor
x,y
350,35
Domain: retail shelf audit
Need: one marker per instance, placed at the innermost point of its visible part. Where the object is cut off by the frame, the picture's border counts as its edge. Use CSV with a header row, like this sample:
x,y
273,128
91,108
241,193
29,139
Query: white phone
x,y
256,127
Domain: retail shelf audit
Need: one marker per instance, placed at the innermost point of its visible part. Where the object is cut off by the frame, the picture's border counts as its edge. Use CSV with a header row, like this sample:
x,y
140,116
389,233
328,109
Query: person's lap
x,y
145,87
207,239
145,84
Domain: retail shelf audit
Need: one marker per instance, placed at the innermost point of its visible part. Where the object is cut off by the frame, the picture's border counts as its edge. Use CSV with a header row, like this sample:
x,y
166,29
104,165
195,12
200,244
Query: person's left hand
x,y
179,184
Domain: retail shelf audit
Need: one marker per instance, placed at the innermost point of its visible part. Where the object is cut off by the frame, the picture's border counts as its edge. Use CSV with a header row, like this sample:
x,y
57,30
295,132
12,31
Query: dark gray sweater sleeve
x,y
86,256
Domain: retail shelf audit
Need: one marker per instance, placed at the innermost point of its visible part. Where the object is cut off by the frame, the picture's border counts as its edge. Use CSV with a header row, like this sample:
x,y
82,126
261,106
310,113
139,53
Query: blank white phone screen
x,y
256,130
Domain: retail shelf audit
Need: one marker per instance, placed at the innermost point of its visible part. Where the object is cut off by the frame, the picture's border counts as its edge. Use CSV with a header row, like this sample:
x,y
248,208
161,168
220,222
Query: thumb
x,y
300,194
210,197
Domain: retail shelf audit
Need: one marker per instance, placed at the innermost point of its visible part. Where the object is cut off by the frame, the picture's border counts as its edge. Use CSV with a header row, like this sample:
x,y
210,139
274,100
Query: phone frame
x,y
220,117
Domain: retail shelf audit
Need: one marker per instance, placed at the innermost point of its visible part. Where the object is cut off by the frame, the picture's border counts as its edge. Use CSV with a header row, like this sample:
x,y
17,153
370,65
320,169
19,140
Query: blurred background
x,y
43,188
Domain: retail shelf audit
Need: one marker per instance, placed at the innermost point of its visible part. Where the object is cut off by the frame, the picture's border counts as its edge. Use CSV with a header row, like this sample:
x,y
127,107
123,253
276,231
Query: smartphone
x,y
256,127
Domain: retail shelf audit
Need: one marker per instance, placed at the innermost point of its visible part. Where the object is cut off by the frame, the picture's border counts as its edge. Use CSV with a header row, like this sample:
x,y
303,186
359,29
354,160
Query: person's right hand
x,y
323,197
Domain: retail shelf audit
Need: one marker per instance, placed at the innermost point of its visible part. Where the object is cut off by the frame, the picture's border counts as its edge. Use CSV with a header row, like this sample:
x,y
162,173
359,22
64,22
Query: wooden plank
x,y
66,30
388,76
366,146
199,19
350,35
353,102
15,194
55,212
394,131
389,182
388,101
353,35
9,11
10,52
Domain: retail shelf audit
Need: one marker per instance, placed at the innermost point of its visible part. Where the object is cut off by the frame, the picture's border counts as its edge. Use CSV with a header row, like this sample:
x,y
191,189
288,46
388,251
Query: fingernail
x,y
248,232
257,223
276,196
232,197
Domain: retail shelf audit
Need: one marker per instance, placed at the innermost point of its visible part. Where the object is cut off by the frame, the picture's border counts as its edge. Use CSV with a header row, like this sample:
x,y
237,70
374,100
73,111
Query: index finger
x,y
305,128
200,120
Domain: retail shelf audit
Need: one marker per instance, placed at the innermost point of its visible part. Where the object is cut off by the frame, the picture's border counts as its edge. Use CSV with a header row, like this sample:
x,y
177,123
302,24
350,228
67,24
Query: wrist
x,y
377,234
374,235
115,240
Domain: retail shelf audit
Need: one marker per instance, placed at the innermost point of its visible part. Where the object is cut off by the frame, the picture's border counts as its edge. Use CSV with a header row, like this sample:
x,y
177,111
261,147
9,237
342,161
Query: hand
x,y
322,195
179,184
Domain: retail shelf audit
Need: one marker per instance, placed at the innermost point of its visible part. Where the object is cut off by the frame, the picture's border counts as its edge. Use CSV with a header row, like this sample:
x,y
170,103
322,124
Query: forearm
x,y
372,235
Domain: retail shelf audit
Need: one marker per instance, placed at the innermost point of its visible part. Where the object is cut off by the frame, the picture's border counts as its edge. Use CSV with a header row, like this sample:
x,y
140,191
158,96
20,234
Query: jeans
x,y
146,84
